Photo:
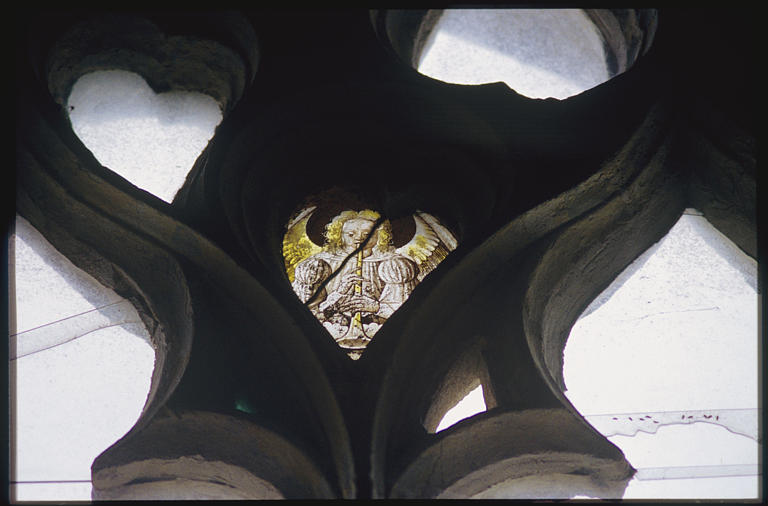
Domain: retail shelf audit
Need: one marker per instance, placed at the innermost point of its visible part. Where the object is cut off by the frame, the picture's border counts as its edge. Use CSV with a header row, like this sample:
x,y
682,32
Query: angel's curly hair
x,y
333,230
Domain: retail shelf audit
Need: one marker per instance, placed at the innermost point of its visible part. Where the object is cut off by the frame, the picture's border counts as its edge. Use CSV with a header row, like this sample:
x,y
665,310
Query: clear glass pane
x,y
80,370
151,140
66,491
538,53
665,362
472,404
729,487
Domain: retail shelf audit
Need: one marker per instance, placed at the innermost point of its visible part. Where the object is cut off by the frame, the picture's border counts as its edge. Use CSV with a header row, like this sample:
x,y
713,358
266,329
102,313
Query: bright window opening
x,y
472,404
665,363
539,53
151,140
81,366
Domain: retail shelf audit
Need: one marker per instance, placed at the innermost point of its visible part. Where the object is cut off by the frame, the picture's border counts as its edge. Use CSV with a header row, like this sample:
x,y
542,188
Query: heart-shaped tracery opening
x,y
354,268
150,139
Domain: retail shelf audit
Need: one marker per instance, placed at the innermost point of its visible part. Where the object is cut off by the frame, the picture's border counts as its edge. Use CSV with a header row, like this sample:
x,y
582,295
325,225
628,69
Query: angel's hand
x,y
348,282
358,303
330,303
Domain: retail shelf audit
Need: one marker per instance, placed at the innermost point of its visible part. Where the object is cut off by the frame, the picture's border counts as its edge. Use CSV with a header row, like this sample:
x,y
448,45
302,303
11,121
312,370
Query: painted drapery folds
x,y
358,275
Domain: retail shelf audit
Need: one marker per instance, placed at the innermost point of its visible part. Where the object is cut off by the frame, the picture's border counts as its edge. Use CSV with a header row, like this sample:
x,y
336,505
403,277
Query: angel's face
x,y
354,232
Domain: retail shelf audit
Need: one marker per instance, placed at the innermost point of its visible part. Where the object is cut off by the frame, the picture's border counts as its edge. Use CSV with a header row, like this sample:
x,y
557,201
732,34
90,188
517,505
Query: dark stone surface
x,y
549,200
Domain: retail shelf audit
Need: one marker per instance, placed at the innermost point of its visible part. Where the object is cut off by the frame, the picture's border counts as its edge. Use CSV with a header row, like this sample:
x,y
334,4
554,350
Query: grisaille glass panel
x,y
357,274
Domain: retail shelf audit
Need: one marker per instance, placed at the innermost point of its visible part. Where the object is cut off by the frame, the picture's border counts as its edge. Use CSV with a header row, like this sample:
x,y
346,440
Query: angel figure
x,y
358,278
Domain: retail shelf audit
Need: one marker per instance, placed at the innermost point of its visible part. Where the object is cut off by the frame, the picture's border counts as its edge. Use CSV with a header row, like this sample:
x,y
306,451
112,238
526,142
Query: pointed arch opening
x,y
82,364
464,391
672,344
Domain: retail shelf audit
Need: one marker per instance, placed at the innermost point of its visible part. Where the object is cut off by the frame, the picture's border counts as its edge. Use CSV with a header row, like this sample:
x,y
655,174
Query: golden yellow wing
x,y
296,243
430,244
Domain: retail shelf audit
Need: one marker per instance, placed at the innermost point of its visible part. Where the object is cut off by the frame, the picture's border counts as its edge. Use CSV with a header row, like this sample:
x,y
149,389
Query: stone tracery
x,y
618,161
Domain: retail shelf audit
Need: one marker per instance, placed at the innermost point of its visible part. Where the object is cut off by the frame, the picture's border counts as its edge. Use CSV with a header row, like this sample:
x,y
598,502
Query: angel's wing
x,y
430,244
296,243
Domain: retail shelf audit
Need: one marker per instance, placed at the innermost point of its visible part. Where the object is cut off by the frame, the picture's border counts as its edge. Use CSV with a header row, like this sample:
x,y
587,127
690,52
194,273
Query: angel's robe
x,y
388,278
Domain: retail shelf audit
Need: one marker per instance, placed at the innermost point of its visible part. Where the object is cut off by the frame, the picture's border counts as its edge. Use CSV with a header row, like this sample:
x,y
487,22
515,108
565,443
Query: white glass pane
x,y
538,53
730,487
713,488
77,491
76,399
472,404
737,421
55,300
151,140
48,286
665,363
680,333
80,370
699,444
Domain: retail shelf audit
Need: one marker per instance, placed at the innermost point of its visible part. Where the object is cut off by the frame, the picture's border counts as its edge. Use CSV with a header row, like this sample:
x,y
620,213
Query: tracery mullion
x,y
497,254
76,194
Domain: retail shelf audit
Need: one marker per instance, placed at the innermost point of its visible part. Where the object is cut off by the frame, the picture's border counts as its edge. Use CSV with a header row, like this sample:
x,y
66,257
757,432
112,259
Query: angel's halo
x,y
403,228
